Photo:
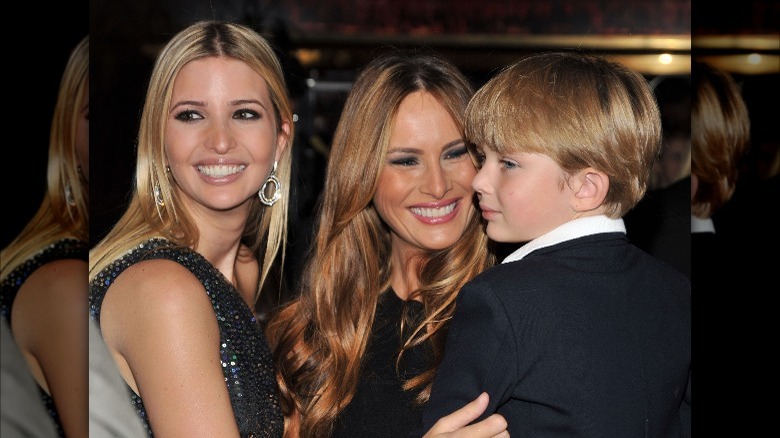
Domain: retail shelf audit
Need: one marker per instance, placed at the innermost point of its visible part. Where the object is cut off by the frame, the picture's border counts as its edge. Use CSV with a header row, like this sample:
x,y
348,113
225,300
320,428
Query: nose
x,y
436,182
220,138
479,183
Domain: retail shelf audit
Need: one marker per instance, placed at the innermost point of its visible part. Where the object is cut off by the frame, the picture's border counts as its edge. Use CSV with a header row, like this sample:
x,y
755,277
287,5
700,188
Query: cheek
x,y
390,191
172,151
463,175
263,153
262,144
178,143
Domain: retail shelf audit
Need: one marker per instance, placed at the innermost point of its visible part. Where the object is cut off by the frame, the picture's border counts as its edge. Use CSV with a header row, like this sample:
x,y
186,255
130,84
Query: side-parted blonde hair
x,y
720,135
319,339
64,209
266,229
580,110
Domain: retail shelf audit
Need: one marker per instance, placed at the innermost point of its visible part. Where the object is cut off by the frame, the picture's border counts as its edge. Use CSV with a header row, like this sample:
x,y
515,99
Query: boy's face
x,y
521,195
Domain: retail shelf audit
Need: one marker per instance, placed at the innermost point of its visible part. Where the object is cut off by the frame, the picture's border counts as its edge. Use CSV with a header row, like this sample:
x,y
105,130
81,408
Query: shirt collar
x,y
573,229
699,225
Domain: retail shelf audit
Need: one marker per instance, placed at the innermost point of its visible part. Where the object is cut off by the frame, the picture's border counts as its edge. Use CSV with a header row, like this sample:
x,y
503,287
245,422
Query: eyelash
x,y
241,114
456,153
479,159
410,161
406,161
188,116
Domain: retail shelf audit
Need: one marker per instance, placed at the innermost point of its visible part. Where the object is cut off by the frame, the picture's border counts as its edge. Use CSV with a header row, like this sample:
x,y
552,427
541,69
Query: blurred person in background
x,y
44,269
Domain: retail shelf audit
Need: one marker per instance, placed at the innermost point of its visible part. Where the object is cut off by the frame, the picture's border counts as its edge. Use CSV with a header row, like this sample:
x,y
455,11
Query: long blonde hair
x,y
64,209
266,229
319,339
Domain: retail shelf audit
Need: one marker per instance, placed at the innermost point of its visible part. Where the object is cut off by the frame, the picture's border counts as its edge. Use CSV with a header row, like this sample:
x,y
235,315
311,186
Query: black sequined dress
x,y
67,248
244,352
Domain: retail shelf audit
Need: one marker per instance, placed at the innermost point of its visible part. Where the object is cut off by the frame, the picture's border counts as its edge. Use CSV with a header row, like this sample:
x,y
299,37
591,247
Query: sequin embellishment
x,y
244,352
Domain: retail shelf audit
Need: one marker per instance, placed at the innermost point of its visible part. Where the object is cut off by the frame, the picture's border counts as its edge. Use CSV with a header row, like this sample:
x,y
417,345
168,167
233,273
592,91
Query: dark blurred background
x,y
38,51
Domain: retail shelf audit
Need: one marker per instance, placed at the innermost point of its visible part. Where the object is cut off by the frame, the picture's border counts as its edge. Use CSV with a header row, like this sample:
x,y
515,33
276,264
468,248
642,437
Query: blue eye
x,y
507,164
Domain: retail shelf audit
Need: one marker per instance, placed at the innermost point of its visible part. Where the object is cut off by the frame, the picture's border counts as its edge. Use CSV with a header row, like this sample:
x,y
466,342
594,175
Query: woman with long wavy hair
x,y
398,234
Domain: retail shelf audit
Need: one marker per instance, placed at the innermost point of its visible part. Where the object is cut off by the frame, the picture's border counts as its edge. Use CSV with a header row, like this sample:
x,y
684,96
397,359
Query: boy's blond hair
x,y
580,110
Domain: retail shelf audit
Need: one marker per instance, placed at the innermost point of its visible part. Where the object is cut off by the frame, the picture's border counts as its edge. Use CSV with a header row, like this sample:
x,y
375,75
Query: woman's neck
x,y
404,277
219,240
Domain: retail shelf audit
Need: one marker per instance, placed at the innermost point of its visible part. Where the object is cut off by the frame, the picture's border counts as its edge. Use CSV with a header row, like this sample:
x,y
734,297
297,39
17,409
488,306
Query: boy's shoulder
x,y
528,272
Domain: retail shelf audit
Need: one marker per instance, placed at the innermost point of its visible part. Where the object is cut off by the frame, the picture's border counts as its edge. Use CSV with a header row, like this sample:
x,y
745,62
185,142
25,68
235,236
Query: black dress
x,y
381,407
244,352
67,248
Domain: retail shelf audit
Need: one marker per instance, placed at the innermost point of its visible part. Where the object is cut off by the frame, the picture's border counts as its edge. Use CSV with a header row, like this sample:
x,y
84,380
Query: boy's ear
x,y
590,189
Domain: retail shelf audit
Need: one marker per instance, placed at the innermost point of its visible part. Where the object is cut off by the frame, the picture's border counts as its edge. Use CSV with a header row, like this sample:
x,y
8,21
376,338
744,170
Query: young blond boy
x,y
578,332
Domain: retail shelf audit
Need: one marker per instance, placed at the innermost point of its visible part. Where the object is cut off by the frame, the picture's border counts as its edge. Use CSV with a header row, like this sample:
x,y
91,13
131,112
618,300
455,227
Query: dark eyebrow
x,y
188,102
232,103
418,151
404,150
246,101
454,142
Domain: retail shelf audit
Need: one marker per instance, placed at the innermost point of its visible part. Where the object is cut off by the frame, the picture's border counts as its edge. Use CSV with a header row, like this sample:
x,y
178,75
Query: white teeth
x,y
434,212
221,170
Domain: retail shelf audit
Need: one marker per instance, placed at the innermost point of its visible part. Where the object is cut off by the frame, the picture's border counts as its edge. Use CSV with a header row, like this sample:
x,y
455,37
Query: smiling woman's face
x,y
220,136
424,192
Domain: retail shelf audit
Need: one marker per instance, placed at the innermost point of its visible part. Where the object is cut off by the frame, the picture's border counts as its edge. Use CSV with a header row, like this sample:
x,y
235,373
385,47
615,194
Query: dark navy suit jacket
x,y
590,337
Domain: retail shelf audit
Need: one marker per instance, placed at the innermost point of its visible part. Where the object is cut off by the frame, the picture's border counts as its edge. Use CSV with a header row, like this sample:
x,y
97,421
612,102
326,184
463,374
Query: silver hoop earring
x,y
158,195
69,196
277,189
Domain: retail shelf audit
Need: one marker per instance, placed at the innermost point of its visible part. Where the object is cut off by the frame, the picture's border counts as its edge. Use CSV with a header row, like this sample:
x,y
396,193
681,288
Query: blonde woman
x,y
173,284
44,269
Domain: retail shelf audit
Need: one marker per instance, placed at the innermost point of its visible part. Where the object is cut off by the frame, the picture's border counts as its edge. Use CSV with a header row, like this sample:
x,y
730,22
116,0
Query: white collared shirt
x,y
584,226
699,225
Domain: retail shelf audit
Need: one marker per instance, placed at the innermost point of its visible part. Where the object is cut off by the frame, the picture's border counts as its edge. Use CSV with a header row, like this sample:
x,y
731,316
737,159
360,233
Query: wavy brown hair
x,y
320,338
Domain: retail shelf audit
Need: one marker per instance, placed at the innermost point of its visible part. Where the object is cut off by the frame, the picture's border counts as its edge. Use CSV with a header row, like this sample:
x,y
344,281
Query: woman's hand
x,y
457,423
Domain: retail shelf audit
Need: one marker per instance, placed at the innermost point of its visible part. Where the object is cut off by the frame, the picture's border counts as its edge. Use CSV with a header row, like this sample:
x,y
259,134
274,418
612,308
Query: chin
x,y
439,245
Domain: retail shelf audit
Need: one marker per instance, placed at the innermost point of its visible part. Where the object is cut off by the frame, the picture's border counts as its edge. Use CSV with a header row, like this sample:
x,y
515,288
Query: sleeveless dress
x,y
66,248
380,406
244,352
